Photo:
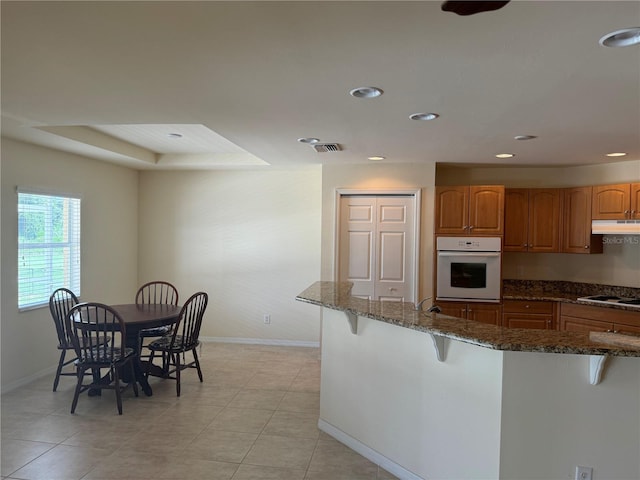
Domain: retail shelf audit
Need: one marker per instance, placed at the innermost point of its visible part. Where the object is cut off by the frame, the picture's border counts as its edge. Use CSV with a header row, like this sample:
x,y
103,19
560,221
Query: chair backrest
x,y
60,302
157,292
97,332
187,329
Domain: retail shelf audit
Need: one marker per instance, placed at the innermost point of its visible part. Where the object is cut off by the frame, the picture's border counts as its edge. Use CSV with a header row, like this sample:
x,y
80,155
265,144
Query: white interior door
x,y
377,246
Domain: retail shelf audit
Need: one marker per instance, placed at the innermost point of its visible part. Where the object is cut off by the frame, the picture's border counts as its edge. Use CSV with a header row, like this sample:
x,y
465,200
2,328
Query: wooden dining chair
x,y
156,292
98,336
60,302
184,338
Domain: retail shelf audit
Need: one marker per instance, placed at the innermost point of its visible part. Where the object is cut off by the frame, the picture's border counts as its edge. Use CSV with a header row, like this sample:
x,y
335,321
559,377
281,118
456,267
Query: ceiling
x,y
241,81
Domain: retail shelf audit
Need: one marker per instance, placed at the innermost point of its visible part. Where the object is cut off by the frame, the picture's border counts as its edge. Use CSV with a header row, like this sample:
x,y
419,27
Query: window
x,y
48,246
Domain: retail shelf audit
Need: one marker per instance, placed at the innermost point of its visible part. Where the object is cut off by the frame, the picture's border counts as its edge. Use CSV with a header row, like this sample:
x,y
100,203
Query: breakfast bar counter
x,y
336,295
431,396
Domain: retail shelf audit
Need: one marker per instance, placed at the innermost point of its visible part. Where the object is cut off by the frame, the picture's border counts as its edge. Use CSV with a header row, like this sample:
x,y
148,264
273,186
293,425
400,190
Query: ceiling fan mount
x,y
467,7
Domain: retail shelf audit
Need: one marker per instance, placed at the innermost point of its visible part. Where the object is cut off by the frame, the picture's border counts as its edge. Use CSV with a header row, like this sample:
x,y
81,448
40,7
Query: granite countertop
x,y
337,296
569,292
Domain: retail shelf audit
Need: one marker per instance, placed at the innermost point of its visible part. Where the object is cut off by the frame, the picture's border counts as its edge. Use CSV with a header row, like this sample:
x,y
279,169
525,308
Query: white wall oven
x,y
469,269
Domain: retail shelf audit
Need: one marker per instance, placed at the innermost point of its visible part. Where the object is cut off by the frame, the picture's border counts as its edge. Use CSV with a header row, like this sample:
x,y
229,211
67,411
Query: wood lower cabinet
x,y
576,222
489,313
616,202
529,314
532,220
588,318
470,210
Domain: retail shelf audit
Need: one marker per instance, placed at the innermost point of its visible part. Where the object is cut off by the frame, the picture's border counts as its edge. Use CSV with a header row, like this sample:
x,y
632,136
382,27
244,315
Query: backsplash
x,y
618,265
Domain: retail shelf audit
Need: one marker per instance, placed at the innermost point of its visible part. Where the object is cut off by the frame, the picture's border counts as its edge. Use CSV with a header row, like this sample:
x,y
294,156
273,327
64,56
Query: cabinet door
x,y
576,222
575,324
544,220
452,210
635,201
484,313
523,320
516,219
486,210
454,309
611,202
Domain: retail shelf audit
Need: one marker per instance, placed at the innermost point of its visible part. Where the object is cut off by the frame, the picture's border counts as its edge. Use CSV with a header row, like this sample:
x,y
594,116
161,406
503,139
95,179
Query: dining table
x,y
139,317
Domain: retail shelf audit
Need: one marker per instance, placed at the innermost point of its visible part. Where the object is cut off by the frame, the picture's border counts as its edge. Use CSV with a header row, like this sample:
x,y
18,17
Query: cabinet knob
x,y
464,227
470,227
527,306
586,246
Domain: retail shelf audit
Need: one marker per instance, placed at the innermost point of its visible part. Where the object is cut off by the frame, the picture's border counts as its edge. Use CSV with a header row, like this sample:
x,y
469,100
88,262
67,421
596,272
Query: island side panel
x,y
385,388
553,419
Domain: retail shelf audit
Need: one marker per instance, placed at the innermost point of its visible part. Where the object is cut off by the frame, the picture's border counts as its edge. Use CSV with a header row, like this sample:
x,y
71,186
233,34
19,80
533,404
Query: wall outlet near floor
x,y
584,473
266,319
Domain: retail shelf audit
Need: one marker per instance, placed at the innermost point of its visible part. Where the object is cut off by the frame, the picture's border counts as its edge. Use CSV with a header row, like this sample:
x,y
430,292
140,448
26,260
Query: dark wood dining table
x,y
139,317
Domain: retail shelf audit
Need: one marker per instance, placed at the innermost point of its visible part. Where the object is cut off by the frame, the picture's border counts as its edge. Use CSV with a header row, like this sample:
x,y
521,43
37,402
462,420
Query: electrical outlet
x,y
584,473
266,319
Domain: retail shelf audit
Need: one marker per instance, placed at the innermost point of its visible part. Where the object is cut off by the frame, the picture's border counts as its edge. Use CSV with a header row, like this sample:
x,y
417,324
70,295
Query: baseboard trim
x,y
367,452
261,341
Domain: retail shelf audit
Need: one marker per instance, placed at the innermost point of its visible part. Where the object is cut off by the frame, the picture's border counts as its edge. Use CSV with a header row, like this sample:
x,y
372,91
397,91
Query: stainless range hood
x,y
616,227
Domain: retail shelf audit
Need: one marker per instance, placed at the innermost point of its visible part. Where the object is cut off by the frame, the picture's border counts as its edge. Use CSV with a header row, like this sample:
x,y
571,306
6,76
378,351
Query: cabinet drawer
x,y
527,306
603,314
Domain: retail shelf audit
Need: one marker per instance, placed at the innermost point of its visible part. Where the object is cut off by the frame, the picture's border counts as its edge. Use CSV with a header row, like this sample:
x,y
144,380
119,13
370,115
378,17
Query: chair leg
x,y
76,394
116,377
195,357
59,369
178,368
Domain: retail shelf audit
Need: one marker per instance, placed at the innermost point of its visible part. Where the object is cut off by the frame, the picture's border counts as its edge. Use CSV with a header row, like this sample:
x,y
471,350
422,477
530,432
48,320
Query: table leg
x,y
133,341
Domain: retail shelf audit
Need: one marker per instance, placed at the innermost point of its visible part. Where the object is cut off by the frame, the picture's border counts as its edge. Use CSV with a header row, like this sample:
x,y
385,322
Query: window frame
x,y
71,264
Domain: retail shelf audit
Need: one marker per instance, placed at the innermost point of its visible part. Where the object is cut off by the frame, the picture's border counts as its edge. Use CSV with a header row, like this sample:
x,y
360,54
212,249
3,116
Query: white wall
x,y
619,264
386,390
379,176
109,246
250,239
553,419
480,414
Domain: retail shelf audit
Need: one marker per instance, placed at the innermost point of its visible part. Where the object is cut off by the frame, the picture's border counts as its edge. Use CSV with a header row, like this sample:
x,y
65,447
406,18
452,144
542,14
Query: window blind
x,y
48,246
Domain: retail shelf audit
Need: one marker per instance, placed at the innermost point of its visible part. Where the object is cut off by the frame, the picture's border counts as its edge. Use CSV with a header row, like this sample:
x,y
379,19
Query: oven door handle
x,y
468,254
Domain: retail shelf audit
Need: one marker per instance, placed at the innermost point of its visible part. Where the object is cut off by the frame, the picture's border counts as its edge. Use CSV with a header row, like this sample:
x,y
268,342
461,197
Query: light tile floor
x,y
254,417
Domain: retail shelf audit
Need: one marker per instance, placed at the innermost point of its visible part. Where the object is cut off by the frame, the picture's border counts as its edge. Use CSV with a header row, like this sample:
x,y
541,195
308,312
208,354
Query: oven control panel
x,y
478,244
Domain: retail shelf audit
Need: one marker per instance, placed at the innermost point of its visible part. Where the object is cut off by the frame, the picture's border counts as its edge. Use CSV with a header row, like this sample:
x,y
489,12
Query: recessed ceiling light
x,y
505,155
616,154
376,158
310,140
525,137
423,116
621,38
366,92
174,135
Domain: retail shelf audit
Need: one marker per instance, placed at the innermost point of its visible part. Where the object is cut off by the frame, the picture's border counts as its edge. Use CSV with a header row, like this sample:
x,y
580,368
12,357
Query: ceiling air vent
x,y
326,147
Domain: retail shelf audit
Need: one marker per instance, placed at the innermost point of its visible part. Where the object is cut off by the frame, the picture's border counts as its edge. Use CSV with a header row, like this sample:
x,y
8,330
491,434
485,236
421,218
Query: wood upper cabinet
x,y
616,202
576,222
489,313
532,220
470,210
529,314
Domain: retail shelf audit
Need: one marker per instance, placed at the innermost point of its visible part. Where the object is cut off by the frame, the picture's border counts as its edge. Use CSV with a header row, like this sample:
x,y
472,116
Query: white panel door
x,y
357,236
376,246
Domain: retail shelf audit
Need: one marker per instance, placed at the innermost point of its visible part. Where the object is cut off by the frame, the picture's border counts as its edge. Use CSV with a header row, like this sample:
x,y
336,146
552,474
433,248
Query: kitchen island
x,y
431,396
